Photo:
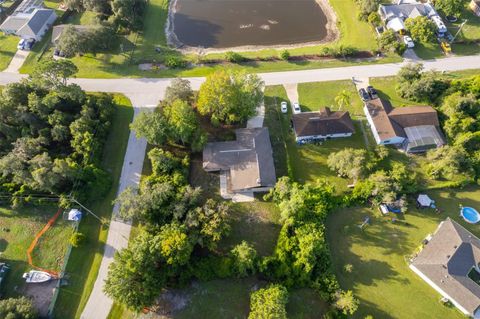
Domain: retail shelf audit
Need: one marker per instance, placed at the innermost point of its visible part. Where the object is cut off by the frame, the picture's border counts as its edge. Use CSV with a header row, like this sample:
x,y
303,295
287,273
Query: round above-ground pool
x,y
470,215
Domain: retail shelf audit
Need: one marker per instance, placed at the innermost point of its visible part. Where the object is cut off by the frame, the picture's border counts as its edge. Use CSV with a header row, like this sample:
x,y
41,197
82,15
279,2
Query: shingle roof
x,y
14,23
28,24
405,10
249,159
390,122
323,122
448,258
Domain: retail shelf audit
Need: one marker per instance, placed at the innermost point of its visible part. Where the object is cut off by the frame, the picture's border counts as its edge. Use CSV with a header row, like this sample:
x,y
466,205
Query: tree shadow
x,y
3,244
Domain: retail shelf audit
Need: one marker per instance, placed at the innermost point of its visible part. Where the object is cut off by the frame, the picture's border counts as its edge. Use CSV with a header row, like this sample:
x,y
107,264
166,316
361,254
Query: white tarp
x,y
74,214
396,24
424,200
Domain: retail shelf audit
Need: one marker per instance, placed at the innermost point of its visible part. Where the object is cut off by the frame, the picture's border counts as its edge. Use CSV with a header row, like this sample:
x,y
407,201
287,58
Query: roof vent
x,y
448,256
444,266
259,182
455,246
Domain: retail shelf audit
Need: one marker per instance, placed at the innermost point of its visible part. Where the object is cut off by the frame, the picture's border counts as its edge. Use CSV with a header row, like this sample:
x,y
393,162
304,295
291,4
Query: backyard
x,y
380,276
85,261
18,229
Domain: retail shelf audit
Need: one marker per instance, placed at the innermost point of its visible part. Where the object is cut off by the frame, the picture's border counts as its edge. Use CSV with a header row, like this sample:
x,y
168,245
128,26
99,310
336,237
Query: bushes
x,y
285,55
234,57
269,303
77,239
175,62
338,51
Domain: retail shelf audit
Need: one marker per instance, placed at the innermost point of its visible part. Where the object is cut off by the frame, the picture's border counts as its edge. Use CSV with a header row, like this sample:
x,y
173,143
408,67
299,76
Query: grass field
x,y
381,279
8,47
18,229
85,261
316,95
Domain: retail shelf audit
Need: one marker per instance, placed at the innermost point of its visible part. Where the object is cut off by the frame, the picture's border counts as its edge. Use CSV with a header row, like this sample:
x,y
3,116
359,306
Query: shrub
x,y
234,57
77,239
285,55
175,62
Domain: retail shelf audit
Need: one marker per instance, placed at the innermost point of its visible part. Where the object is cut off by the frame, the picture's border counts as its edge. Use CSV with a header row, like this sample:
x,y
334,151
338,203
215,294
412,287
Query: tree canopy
x,y
269,303
230,96
450,7
421,28
17,308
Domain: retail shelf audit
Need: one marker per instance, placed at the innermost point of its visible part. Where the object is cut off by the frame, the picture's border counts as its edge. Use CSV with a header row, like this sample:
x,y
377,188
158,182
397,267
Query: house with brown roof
x,y
414,129
322,125
449,263
246,164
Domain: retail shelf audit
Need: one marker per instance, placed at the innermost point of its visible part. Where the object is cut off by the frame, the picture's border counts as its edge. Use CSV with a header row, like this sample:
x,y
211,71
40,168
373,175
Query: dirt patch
x,y
41,295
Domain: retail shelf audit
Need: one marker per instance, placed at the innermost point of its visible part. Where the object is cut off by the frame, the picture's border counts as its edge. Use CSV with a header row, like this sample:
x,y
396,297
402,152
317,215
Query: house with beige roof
x,y
449,263
415,129
246,163
322,125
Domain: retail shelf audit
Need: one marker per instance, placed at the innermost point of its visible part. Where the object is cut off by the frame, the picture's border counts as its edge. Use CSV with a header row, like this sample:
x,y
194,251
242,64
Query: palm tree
x,y
343,99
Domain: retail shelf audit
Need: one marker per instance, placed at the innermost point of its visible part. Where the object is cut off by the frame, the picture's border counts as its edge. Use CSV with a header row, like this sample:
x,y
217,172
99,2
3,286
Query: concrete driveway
x,y
17,61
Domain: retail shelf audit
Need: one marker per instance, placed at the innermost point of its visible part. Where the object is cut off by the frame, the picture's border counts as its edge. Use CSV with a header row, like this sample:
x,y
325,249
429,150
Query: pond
x,y
250,23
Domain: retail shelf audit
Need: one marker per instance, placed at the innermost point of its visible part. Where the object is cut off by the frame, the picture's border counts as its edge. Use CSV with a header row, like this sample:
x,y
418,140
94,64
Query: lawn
x,y
18,229
85,261
316,95
305,163
386,90
8,47
381,279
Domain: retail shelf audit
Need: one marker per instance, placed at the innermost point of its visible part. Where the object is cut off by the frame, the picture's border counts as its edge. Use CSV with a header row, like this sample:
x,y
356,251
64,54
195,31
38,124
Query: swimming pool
x,y
470,215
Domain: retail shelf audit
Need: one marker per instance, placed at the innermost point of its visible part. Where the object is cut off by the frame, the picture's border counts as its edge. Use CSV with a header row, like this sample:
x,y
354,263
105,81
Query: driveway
x,y
17,61
292,93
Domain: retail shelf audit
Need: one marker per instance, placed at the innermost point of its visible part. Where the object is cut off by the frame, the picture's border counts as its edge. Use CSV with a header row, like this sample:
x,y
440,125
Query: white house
x,y
414,128
449,263
31,24
322,125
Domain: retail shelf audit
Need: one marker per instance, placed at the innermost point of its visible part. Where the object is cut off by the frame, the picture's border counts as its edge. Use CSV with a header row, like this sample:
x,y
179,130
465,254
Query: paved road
x,y
147,92
99,305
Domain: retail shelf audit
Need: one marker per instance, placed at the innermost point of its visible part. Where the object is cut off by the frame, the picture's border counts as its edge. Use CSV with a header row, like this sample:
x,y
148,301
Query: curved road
x,y
146,92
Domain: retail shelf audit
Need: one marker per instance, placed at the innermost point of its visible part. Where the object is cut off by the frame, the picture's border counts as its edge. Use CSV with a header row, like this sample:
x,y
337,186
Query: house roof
x,y
249,159
448,258
58,30
28,24
391,122
405,10
324,122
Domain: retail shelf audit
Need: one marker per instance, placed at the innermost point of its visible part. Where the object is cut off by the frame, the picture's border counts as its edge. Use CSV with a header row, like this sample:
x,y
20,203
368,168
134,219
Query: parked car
x,y
364,95
379,30
372,92
408,41
29,44
451,18
21,44
296,108
58,53
283,107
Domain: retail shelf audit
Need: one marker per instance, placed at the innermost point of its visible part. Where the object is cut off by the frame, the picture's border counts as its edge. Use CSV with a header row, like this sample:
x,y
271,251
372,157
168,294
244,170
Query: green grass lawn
x,y
381,279
18,229
8,47
386,90
316,95
85,261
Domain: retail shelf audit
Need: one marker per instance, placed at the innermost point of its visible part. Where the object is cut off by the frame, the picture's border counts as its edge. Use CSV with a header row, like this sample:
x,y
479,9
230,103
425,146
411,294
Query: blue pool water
x,y
470,215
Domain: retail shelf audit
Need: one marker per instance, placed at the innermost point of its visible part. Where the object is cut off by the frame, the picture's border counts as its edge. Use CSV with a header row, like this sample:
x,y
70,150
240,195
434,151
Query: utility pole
x,y
459,29
88,210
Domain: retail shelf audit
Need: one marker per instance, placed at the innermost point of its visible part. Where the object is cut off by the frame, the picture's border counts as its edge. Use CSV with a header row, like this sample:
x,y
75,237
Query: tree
x,y
421,28
349,162
53,73
285,55
136,276
343,99
374,18
128,14
244,259
269,303
179,89
388,42
450,7
410,73
346,302
448,162
230,97
174,244
152,126
17,308
74,5
73,41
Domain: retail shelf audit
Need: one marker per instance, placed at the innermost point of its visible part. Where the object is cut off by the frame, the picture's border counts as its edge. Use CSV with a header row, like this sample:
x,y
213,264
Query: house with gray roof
x,y
449,262
247,162
32,24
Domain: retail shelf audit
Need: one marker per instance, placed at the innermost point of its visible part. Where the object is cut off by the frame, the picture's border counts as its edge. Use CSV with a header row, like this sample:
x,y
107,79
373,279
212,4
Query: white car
x,y
283,107
296,108
21,44
408,41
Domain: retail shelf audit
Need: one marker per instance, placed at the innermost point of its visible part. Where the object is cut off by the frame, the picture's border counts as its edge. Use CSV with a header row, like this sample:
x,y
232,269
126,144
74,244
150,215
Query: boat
x,y
35,276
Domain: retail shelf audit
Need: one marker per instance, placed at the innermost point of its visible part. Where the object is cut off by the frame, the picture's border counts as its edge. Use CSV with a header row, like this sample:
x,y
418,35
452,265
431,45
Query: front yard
x,y
380,278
